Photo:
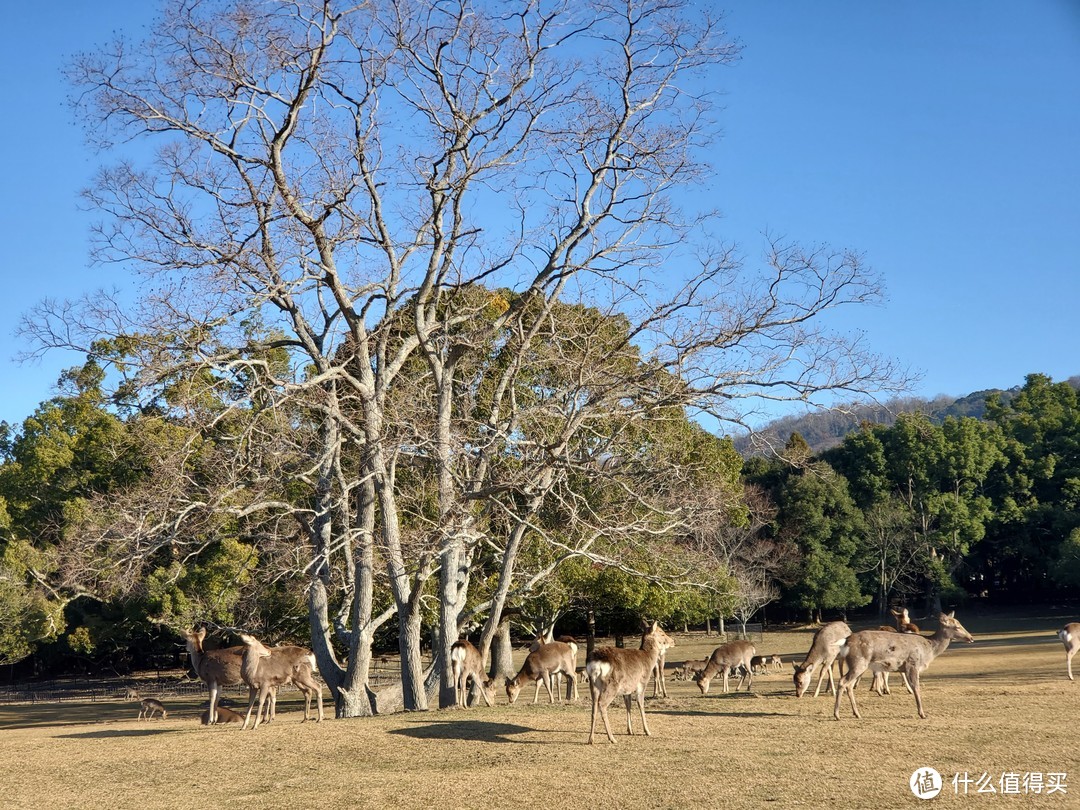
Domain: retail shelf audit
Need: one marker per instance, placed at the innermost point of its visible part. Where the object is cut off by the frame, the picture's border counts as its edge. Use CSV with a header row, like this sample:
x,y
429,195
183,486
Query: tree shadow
x,y
477,730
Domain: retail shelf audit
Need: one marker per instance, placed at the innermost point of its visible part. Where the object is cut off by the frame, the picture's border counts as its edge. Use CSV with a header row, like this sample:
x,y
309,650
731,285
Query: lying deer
x,y
466,663
903,621
546,663
895,652
616,671
725,659
224,715
823,651
1070,637
149,706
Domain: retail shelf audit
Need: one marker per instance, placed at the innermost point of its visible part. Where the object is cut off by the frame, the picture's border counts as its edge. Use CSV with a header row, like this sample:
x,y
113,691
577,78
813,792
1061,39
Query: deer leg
x,y
629,709
641,708
825,669
251,705
213,702
913,679
548,678
749,679
1068,662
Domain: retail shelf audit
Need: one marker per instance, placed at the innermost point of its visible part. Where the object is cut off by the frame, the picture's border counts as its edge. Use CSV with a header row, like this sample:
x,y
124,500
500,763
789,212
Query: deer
x,y
759,664
616,671
224,715
901,652
265,670
217,668
903,621
1070,637
659,686
689,669
776,664
823,651
466,662
151,705
543,664
725,658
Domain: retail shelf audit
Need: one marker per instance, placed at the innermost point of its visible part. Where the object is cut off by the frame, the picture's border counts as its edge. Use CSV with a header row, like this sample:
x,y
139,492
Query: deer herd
x,y
610,672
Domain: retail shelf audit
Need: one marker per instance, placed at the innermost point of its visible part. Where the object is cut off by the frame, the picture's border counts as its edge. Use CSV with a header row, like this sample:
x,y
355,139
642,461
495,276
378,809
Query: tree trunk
x,y
414,697
502,653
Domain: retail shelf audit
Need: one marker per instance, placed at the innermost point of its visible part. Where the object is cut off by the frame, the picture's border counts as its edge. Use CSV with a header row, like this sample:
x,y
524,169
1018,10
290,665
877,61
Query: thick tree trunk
x,y
502,653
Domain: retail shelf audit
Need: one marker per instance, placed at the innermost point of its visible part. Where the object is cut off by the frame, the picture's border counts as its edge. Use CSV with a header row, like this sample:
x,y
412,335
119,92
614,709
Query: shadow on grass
x,y
116,733
464,730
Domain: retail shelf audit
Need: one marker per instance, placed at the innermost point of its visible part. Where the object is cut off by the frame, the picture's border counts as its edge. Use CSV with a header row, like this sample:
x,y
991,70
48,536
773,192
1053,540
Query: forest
x,y
918,513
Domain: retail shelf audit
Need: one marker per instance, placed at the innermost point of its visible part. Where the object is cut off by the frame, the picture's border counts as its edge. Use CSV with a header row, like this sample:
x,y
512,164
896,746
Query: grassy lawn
x,y
1000,705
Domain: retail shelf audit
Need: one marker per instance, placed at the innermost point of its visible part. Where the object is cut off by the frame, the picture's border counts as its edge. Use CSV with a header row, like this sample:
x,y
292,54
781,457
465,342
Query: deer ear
x,y
810,667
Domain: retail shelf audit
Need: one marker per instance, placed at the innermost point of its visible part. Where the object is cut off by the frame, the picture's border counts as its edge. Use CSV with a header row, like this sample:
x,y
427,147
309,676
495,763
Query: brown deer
x,y
149,706
823,651
691,668
217,668
264,670
903,621
467,663
1070,637
544,664
659,686
224,715
616,671
895,652
726,657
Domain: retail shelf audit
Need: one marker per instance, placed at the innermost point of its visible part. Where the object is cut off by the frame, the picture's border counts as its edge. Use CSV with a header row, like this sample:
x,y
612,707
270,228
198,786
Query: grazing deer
x,y
265,670
224,715
615,671
900,652
149,706
823,651
691,668
545,663
466,662
735,655
903,622
1070,637
776,664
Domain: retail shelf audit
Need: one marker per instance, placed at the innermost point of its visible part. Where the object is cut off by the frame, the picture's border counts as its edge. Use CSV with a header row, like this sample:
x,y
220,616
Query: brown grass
x,y
1002,704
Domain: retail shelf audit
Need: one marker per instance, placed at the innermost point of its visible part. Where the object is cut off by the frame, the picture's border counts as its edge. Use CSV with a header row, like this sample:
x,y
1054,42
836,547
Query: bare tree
x,y
431,253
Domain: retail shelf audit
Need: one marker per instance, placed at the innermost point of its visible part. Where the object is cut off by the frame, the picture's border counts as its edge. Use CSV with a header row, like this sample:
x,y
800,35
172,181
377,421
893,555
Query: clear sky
x,y
941,139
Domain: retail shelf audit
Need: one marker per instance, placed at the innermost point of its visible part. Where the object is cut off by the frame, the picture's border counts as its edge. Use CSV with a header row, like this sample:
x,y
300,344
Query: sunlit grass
x,y
1002,704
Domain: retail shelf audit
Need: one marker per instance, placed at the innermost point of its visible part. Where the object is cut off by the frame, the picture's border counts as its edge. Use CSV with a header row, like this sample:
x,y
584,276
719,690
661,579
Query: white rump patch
x,y
598,670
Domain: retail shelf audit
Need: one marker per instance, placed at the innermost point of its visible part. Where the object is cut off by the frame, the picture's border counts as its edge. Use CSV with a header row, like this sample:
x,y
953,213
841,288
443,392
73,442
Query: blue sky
x,y
941,139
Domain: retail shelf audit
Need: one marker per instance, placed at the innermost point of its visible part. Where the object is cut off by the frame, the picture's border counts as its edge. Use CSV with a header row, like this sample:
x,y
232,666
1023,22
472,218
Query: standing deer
x,y
1070,637
265,670
659,686
149,706
545,663
735,655
615,671
217,668
466,662
895,652
823,651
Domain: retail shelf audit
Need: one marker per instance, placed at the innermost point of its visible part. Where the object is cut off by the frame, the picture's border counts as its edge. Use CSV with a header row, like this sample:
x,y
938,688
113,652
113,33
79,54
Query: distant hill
x,y
825,429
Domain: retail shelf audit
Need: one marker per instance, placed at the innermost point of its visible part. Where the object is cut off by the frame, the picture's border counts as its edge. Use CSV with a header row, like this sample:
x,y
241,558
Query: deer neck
x,y
939,642
196,656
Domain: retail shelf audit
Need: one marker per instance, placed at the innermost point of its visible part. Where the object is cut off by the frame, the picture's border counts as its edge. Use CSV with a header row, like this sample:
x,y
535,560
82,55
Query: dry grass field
x,y
1001,705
